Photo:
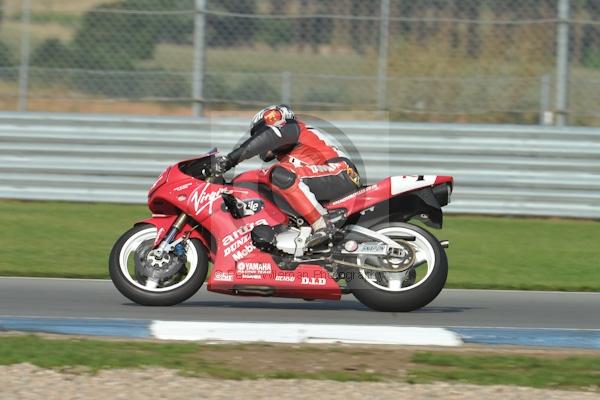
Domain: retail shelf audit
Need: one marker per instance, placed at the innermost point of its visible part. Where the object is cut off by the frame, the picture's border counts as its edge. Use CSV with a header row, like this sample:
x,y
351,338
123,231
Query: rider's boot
x,y
323,231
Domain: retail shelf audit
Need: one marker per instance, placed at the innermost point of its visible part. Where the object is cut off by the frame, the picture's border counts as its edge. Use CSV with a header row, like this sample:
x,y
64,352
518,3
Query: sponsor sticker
x,y
373,248
182,187
226,276
285,278
247,207
350,196
313,281
204,199
323,168
253,270
237,243
253,205
261,268
242,231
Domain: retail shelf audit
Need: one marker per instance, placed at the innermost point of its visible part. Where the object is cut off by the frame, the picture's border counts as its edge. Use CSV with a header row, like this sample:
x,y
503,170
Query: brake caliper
x,y
179,250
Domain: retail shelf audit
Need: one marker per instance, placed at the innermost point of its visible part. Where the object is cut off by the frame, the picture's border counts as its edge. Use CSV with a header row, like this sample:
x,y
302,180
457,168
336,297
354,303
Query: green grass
x,y
542,372
74,239
62,239
523,253
188,358
338,363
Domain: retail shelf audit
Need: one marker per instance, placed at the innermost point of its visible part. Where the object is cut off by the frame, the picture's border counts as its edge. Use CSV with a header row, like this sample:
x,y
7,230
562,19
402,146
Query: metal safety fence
x,y
498,169
500,61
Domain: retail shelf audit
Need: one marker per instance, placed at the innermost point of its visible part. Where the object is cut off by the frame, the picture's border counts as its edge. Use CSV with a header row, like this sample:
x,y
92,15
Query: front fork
x,y
166,244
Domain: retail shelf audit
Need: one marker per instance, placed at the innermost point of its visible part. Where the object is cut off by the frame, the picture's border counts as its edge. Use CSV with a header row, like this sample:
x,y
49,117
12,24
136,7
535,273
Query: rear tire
x,y
163,296
412,297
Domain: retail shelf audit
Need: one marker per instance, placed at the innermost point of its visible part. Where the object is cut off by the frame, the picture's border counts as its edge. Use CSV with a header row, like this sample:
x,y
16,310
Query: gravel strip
x,y
27,382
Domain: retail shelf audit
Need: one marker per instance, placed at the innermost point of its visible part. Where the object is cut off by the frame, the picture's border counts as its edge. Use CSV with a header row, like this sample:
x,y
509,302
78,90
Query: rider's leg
x,y
286,182
298,185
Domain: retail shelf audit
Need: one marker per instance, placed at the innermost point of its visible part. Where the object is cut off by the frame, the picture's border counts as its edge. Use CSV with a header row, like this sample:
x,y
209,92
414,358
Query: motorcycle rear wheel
x,y
405,291
131,286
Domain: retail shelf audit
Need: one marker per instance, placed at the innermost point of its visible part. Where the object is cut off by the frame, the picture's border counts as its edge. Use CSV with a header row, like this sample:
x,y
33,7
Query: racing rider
x,y
309,168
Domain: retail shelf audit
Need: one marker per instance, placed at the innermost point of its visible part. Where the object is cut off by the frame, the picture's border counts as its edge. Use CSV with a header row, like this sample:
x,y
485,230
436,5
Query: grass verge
x,y
486,369
57,239
323,362
220,361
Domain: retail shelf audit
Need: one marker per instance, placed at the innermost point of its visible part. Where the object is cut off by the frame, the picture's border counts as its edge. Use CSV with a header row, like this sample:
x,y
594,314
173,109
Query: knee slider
x,y
282,178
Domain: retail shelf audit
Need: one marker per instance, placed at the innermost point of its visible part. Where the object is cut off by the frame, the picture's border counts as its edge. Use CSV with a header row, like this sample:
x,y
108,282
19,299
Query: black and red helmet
x,y
276,116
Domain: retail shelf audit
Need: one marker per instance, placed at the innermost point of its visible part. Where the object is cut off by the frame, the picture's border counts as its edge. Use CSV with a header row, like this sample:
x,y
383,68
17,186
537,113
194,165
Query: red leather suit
x,y
309,170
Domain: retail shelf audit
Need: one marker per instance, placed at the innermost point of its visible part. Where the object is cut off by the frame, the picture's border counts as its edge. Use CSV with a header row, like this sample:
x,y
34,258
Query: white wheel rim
x,y
134,242
425,258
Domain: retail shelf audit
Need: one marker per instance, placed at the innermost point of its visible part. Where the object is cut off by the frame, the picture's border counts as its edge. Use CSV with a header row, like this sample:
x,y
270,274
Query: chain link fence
x,y
501,61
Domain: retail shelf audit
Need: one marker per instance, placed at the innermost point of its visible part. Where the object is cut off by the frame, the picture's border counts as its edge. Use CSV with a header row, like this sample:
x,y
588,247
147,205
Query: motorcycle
x,y
256,242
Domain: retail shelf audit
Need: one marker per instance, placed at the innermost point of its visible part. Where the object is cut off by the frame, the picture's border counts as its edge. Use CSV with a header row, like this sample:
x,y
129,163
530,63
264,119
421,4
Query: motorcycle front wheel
x,y
403,291
131,257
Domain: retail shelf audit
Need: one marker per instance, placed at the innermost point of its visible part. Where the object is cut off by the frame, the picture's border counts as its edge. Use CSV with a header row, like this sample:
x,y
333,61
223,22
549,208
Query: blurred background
x,y
492,61
98,96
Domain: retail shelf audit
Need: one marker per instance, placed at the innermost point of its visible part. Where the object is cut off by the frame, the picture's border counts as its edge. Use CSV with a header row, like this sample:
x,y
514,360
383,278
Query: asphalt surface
x,y
454,307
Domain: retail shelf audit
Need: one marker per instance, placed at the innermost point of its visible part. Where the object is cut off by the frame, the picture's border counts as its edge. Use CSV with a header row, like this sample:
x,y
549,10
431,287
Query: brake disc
x,y
402,258
148,265
397,259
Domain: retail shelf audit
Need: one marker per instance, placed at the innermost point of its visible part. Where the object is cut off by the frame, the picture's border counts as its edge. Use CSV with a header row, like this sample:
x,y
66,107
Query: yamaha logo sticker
x,y
253,270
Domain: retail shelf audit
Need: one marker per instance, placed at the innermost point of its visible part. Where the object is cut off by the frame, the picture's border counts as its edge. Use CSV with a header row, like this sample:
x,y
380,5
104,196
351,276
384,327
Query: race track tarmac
x,y
453,308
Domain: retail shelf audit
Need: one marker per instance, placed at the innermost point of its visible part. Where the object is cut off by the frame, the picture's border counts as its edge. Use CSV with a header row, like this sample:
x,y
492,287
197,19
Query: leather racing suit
x,y
309,170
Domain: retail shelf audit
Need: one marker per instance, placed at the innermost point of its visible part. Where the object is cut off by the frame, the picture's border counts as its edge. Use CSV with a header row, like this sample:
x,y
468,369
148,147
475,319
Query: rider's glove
x,y
223,164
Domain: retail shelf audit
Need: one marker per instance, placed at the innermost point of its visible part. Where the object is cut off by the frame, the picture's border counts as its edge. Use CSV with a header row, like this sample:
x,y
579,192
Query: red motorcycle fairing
x,y
164,222
238,267
257,176
259,274
367,196
256,270
362,198
398,198
385,189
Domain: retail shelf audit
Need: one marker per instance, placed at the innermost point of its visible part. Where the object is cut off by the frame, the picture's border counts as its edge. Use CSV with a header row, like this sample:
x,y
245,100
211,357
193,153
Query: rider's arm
x,y
268,138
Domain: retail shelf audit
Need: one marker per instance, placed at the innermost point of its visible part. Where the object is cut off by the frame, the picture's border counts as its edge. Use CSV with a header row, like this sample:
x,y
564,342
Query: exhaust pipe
x,y
445,243
254,290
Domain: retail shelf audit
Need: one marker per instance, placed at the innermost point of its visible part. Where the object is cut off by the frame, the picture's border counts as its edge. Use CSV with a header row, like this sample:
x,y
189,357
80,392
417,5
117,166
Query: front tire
x,y
132,286
408,293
